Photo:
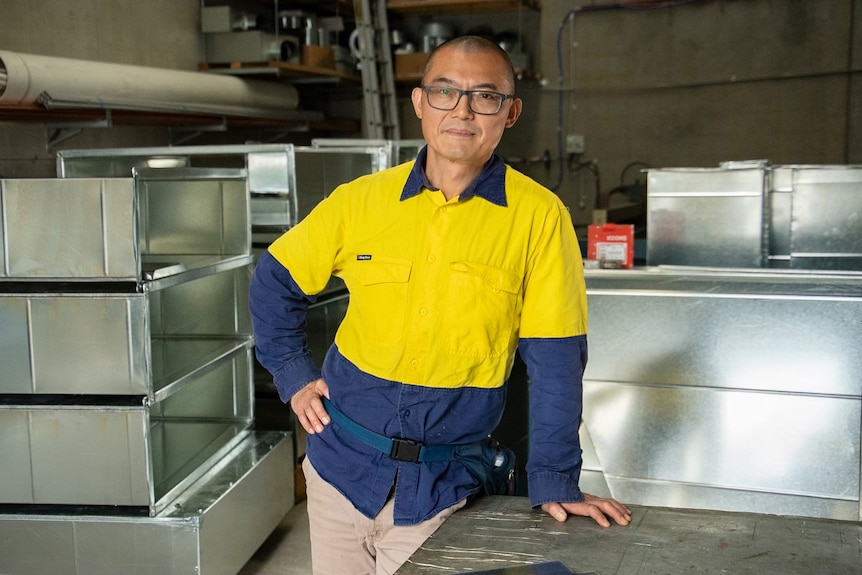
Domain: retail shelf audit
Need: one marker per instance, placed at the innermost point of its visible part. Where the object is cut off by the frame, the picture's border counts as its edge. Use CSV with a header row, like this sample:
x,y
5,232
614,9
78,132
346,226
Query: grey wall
x,y
688,86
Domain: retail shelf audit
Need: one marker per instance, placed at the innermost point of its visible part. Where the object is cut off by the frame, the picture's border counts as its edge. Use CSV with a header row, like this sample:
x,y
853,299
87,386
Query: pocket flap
x,y
494,278
384,270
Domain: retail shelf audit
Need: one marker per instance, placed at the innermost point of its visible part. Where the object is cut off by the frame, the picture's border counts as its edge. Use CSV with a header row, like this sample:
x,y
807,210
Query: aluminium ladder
x,y
380,119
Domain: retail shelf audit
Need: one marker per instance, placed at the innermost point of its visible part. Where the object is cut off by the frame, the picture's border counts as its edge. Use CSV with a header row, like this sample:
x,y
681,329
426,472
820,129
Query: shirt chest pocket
x,y
482,308
380,293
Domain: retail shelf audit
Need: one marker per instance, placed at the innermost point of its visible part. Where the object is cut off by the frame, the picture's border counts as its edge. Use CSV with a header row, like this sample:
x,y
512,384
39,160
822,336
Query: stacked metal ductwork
x,y
126,402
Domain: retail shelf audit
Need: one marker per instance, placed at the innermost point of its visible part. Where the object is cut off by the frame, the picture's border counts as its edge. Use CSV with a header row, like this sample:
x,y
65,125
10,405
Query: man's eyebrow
x,y
445,80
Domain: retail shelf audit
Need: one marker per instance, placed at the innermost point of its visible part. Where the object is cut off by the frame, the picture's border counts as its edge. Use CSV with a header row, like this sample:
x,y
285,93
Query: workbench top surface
x,y
503,532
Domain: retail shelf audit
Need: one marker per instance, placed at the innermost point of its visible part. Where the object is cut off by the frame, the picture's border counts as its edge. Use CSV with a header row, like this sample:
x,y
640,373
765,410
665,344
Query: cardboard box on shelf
x,y
410,66
318,56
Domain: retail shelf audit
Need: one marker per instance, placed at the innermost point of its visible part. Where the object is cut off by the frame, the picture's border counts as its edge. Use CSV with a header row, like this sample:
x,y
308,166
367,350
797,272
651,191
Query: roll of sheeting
x,y
64,82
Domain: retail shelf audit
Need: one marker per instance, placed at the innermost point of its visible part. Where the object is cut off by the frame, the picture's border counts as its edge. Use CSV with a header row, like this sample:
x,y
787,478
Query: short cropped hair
x,y
474,44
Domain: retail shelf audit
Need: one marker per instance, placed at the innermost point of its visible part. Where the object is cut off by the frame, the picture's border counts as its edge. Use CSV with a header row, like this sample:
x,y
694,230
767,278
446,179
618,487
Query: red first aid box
x,y
612,245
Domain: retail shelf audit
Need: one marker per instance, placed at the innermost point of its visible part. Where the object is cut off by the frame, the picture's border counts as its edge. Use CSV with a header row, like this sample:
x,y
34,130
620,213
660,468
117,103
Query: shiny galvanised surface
x,y
727,390
285,181
123,384
826,218
756,215
707,216
211,528
59,229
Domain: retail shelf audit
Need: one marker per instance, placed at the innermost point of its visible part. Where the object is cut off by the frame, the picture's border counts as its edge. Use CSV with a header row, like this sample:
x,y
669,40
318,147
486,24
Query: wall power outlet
x,y
574,143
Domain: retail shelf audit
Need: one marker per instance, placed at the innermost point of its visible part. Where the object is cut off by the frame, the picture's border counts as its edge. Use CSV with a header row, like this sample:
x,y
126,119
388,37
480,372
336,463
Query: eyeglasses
x,y
482,102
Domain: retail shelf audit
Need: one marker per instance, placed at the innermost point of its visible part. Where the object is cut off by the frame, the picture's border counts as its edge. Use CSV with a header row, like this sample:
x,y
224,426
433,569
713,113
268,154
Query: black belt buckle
x,y
405,449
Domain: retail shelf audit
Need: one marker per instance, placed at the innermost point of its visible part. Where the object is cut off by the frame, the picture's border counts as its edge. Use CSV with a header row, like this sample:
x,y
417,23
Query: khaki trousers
x,y
345,542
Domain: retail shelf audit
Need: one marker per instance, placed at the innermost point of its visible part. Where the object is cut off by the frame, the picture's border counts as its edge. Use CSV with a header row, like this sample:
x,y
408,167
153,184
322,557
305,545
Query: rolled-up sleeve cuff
x,y
295,375
550,487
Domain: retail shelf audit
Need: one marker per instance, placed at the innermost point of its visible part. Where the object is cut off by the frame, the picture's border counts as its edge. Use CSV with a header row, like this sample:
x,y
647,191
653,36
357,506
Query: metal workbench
x,y
503,532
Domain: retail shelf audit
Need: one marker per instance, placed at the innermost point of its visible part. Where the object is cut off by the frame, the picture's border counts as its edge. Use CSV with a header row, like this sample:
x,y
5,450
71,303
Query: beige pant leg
x,y
345,542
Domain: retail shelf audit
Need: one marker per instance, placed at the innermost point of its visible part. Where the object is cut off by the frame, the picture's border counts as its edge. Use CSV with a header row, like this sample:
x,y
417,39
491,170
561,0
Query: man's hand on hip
x,y
308,407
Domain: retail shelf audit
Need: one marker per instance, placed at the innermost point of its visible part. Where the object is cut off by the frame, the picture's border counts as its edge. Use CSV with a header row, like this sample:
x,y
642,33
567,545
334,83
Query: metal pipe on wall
x,y
64,82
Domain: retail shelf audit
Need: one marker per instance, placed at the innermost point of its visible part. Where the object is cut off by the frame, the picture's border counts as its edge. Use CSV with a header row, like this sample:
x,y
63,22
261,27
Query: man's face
x,y
460,135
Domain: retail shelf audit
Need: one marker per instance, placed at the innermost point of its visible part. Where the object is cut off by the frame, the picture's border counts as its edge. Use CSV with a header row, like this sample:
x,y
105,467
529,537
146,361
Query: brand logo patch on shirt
x,y
363,257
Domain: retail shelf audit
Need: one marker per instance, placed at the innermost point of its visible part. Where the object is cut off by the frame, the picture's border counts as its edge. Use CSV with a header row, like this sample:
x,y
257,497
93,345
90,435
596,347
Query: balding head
x,y
475,44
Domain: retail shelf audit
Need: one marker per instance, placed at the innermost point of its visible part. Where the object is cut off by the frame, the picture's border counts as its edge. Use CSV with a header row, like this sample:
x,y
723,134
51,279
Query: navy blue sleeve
x,y
278,314
555,367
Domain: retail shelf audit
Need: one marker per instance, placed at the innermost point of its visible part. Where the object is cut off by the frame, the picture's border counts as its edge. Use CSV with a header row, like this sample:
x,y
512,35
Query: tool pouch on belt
x,y
491,464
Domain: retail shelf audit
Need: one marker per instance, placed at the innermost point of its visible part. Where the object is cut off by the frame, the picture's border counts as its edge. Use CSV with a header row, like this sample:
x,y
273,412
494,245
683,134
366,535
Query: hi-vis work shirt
x,y
441,295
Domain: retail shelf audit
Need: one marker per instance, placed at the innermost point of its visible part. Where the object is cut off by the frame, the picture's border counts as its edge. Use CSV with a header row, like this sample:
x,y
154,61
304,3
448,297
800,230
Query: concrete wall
x,y
693,85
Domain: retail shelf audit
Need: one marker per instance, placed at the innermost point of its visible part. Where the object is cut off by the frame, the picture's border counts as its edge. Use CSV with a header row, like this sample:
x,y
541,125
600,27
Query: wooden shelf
x,y
279,69
459,6
105,118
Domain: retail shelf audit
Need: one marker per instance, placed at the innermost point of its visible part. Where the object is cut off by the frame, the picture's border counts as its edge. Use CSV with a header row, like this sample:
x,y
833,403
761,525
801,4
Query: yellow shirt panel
x,y
440,292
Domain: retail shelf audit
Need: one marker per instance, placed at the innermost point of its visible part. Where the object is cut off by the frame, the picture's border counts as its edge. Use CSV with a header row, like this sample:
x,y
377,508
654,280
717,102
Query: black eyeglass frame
x,y
469,94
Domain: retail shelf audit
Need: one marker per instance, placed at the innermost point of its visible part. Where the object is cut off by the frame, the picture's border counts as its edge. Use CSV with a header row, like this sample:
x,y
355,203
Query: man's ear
x,y
514,112
416,98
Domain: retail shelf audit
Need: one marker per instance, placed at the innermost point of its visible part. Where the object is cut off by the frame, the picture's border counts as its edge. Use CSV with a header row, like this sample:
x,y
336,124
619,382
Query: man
x,y
452,262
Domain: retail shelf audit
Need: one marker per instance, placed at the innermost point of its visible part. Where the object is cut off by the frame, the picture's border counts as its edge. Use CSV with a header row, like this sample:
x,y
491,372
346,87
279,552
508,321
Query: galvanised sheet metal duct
x,y
63,82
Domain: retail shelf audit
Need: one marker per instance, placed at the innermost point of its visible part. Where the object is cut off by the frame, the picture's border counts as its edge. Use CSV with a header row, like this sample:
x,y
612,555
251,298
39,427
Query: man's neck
x,y
451,177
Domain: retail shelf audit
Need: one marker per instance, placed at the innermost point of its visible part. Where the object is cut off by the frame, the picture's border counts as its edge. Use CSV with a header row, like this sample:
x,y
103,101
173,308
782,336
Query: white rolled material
x,y
65,82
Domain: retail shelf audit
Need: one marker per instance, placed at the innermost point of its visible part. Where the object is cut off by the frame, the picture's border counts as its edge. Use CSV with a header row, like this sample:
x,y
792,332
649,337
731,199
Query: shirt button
x,y
406,413
423,311
414,362
432,259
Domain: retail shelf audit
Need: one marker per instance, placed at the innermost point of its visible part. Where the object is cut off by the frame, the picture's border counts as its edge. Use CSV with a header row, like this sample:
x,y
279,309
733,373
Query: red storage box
x,y
612,245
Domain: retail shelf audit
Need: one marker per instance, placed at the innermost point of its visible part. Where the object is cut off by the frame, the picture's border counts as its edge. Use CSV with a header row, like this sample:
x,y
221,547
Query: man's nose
x,y
462,107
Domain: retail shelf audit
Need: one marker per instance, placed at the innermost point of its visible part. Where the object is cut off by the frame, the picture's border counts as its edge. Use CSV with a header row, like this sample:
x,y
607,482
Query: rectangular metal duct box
x,y
706,217
69,229
826,218
397,151
731,390
212,528
285,181
121,229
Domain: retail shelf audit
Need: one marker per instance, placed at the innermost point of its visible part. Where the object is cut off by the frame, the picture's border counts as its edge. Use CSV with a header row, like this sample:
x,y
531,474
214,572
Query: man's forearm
x,y
278,312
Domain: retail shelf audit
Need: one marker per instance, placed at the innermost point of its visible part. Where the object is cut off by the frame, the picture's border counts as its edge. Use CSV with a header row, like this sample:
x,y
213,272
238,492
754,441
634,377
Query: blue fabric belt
x,y
397,448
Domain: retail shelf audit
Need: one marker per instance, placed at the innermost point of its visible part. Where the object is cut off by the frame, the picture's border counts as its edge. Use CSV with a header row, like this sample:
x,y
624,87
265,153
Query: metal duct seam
x,y
66,82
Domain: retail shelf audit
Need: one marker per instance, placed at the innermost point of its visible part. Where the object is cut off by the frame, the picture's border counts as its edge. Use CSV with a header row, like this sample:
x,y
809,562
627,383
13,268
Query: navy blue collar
x,y
490,184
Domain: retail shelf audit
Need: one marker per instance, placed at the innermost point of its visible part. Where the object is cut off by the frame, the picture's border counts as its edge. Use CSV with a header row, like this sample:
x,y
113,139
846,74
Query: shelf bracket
x,y
59,133
192,133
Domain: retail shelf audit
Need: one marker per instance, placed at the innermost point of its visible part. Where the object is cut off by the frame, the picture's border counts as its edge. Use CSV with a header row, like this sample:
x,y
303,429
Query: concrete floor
x,y
287,550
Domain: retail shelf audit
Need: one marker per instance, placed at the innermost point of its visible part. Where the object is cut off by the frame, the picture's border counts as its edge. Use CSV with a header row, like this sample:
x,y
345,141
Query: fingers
x,y
556,511
308,407
611,507
596,507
